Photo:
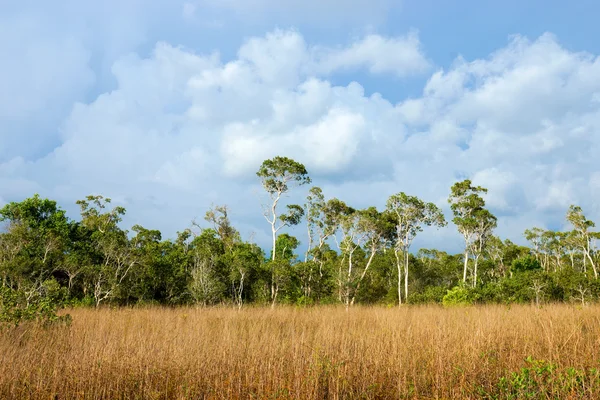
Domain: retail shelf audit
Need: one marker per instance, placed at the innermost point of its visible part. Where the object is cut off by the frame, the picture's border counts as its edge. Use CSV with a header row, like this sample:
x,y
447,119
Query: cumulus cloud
x,y
400,55
182,130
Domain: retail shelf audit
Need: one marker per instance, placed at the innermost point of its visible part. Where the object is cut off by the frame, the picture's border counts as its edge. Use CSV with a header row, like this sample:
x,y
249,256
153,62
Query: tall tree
x,y
473,221
584,236
218,217
485,224
313,208
321,225
206,285
34,243
534,236
117,254
364,230
411,214
277,176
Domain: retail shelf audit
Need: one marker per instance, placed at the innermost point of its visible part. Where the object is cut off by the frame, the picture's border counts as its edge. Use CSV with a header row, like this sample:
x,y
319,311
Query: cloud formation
x,y
182,130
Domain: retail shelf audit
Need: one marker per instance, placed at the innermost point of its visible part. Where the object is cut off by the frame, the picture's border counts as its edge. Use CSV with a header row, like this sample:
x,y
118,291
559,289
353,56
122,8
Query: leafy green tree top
x,y
35,213
94,217
279,173
466,202
411,214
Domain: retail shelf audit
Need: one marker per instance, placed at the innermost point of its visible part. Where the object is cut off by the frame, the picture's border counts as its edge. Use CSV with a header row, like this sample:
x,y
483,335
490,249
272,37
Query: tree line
x,y
351,255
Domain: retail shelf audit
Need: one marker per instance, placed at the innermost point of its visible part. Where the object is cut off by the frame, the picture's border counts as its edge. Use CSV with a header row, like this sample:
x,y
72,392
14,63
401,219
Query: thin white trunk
x,y
592,263
399,267
466,265
475,270
406,275
362,276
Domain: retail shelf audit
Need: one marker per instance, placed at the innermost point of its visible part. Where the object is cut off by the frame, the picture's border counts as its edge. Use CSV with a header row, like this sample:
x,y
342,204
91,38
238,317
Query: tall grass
x,y
314,353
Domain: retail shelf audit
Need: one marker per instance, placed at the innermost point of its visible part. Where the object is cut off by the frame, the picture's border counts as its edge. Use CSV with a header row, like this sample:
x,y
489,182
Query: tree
x,y
321,225
496,249
358,228
218,217
243,261
485,224
534,236
584,238
148,253
277,176
473,221
94,217
117,255
411,214
313,209
537,287
374,228
34,244
206,284
282,266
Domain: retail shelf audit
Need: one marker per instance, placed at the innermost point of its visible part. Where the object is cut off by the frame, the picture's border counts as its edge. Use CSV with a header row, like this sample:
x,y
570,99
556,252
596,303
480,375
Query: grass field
x,y
313,353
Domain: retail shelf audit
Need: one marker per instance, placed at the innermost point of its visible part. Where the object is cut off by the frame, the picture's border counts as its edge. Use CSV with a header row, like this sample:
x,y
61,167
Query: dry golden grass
x,y
314,353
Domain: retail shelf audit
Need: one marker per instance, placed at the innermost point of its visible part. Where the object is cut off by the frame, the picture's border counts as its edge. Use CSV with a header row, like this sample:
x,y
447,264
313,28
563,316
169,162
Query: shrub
x,y
17,306
460,296
431,294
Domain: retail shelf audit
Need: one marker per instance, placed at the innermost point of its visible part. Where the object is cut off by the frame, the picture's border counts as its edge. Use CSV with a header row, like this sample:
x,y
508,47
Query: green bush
x,y
41,306
431,294
543,379
460,296
490,292
527,263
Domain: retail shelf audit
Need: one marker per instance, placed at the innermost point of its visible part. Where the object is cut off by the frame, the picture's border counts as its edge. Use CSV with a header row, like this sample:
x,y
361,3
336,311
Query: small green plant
x,y
543,379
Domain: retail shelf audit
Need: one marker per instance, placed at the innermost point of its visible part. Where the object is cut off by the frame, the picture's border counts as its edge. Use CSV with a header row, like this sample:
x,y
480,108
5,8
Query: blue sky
x,y
170,106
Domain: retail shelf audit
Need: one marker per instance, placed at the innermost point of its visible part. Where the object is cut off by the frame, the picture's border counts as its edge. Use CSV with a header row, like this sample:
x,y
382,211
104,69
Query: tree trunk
x,y
475,270
399,267
362,276
466,265
593,263
572,260
406,275
274,232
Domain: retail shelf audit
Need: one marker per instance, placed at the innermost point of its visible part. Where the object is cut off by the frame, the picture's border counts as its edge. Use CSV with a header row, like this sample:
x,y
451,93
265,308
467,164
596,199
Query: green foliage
x,y
431,294
41,306
460,296
523,264
543,379
278,173
46,259
465,203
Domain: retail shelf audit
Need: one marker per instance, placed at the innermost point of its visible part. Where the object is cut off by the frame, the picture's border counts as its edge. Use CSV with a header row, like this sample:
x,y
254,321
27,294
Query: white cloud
x,y
400,55
184,130
327,146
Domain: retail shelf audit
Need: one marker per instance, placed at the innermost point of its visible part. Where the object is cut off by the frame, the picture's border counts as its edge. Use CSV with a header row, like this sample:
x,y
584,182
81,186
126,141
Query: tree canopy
x,y
344,255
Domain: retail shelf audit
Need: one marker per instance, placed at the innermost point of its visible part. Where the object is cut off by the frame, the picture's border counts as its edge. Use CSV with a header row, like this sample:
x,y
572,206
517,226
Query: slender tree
x,y
277,176
584,237
411,214
473,221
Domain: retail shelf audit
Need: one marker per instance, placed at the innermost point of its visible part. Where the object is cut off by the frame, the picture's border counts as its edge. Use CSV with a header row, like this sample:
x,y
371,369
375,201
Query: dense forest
x,y
352,255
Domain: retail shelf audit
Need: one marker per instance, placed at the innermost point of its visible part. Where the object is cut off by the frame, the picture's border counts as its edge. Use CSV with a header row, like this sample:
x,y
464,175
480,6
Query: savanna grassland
x,y
307,353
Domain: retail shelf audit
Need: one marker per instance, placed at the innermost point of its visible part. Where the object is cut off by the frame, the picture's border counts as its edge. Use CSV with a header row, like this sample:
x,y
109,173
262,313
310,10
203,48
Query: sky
x,y
169,106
